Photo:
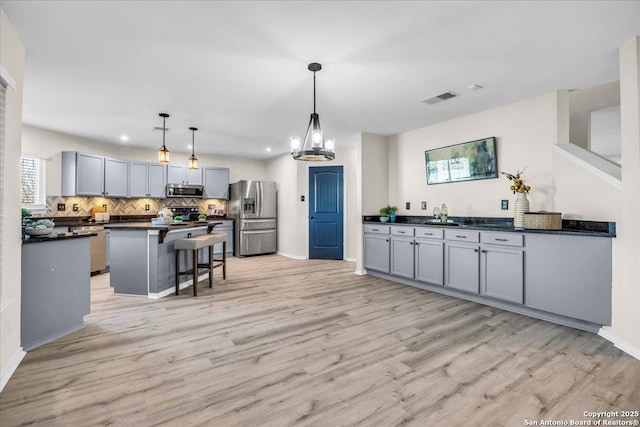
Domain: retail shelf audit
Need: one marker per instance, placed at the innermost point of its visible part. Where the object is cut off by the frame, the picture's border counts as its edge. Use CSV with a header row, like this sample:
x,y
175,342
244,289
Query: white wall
x,y
525,134
582,102
604,133
12,54
49,144
283,170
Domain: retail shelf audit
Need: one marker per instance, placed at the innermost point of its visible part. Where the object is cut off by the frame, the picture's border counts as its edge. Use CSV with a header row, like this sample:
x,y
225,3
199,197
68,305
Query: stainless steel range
x,y
188,213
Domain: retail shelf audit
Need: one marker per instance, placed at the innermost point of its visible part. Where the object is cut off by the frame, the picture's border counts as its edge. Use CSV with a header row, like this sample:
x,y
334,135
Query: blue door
x,y
325,212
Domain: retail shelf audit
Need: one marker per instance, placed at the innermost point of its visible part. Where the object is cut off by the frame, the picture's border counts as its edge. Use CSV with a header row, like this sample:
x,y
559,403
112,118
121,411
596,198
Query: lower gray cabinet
x,y
376,252
462,266
502,273
402,257
428,261
569,275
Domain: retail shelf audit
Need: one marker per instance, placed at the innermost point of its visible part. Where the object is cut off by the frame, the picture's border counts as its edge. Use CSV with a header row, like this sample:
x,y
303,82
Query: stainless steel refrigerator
x,y
252,204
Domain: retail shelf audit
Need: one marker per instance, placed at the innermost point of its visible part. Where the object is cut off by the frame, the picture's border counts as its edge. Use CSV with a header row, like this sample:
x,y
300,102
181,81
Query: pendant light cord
x,y
193,142
314,92
164,129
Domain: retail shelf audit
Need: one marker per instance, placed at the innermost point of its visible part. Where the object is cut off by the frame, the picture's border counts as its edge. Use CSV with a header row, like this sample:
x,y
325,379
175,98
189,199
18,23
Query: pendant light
x,y
163,153
314,148
193,160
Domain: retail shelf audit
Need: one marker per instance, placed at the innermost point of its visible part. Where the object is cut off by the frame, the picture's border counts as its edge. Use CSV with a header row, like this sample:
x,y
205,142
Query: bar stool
x,y
194,244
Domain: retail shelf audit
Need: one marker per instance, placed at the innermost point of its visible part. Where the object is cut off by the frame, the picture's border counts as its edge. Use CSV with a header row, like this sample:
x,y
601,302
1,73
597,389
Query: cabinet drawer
x,y
376,229
469,236
430,233
507,239
402,231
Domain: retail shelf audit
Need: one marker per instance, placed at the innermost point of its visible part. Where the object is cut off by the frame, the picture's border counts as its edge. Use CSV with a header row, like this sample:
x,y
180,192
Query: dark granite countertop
x,y
55,237
83,221
168,227
569,226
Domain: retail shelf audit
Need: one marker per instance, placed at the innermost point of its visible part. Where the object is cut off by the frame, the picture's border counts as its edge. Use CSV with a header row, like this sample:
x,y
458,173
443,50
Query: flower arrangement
x,y
518,185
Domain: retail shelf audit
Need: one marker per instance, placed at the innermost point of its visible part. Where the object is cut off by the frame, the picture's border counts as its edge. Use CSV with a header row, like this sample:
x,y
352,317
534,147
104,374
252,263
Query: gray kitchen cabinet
x,y
376,252
91,175
402,257
216,183
84,173
462,266
502,273
115,177
225,227
569,275
177,174
146,179
429,261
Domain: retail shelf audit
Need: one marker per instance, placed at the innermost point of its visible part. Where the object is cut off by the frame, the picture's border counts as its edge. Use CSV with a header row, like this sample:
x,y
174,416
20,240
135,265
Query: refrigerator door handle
x,y
270,230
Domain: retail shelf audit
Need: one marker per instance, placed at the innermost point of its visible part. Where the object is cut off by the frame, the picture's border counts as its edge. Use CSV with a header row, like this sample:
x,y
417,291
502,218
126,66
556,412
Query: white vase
x,y
519,208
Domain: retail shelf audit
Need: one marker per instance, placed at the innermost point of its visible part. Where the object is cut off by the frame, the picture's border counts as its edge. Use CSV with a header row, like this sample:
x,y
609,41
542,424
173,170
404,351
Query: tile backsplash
x,y
116,206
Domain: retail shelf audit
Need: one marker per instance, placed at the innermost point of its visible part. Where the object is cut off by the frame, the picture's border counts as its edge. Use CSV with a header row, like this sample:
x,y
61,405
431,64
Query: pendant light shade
x,y
314,147
163,153
193,160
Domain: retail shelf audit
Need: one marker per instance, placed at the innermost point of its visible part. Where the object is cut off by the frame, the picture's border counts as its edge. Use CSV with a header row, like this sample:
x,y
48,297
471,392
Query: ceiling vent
x,y
442,97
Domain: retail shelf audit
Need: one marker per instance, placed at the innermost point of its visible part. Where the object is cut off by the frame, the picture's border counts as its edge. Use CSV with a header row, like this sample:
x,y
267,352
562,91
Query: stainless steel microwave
x,y
182,190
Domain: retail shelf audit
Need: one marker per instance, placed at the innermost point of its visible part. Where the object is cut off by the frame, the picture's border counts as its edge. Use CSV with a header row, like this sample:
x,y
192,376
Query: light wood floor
x,y
299,342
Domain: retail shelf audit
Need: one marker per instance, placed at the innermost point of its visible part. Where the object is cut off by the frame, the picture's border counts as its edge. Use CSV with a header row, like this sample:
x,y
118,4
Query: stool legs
x,y
210,266
195,272
224,260
177,274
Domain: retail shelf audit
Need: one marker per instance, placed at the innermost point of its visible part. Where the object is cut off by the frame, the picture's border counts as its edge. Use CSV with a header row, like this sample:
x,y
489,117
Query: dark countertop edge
x,y
83,221
56,237
570,227
147,225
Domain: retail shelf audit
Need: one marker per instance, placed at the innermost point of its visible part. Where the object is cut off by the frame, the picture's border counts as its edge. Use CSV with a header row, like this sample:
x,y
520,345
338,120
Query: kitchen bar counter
x,y
56,237
142,259
569,227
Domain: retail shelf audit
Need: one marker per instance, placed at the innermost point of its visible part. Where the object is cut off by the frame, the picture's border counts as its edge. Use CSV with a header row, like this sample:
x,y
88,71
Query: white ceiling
x,y
238,70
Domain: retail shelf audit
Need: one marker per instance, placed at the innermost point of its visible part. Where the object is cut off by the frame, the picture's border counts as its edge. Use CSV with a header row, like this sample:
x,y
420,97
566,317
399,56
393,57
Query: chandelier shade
x,y
314,147
163,153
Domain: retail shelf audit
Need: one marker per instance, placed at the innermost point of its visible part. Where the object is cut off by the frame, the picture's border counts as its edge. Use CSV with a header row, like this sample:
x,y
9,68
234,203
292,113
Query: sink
x,y
438,222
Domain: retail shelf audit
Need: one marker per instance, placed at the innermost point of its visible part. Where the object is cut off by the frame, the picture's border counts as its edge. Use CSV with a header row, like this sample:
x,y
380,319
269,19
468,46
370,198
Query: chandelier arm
x,y
306,135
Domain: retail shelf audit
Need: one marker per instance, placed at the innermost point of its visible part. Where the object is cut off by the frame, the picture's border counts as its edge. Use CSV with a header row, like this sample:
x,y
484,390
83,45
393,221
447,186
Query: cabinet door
x,y
115,178
429,261
462,267
216,183
156,181
176,174
376,252
138,172
89,175
402,257
194,176
502,273
569,275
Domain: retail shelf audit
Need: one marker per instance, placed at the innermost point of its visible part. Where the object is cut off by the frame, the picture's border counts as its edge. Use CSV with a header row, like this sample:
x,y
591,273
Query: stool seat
x,y
196,242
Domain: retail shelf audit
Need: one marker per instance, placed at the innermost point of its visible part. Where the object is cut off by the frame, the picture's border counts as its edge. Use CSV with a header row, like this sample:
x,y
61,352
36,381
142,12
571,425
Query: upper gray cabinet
x,y
147,179
177,174
91,175
216,183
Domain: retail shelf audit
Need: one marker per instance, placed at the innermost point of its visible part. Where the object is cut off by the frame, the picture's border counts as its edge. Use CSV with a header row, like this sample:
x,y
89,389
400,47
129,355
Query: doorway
x,y
326,212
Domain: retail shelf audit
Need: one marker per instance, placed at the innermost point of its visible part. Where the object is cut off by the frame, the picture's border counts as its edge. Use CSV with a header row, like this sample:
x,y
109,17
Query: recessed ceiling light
x,y
268,148
475,87
124,138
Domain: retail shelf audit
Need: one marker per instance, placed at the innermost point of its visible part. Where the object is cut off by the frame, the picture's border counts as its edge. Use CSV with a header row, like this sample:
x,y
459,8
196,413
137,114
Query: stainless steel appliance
x,y
188,213
98,245
253,206
183,190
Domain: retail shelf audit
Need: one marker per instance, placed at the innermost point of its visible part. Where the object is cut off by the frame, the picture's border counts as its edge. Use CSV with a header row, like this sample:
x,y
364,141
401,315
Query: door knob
x,y
311,217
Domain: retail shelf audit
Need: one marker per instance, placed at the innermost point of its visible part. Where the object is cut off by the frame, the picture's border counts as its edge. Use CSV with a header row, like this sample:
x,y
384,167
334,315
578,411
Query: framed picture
x,y
462,162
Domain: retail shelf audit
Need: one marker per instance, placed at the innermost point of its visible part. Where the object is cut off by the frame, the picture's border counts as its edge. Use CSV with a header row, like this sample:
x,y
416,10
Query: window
x,y
33,183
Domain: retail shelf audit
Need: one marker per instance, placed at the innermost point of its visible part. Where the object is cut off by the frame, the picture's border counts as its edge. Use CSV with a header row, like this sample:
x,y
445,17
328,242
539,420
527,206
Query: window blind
x,y
33,181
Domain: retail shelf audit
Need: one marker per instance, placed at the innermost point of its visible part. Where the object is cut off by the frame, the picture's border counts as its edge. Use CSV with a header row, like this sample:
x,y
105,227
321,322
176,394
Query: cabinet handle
x,y
461,237
374,229
386,240
411,243
475,250
428,234
501,240
401,232
484,252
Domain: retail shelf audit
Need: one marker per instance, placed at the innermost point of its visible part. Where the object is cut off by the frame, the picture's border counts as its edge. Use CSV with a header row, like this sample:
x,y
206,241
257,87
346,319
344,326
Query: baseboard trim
x,y
291,255
630,349
11,368
172,290
351,259
362,272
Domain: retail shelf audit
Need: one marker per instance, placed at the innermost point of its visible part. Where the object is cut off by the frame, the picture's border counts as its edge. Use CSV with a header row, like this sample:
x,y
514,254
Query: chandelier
x,y
314,147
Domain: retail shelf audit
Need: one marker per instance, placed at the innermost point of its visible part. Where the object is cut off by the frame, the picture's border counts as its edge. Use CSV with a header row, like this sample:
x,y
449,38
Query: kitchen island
x,y
56,281
142,260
